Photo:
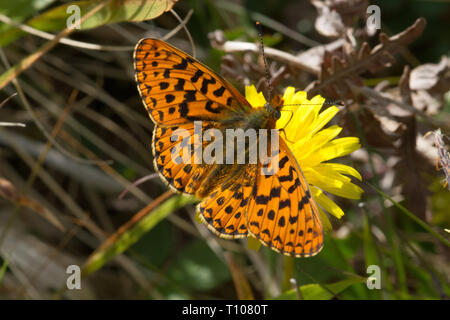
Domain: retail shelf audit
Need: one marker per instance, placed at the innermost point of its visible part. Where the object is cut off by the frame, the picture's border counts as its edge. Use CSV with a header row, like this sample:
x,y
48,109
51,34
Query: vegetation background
x,y
74,135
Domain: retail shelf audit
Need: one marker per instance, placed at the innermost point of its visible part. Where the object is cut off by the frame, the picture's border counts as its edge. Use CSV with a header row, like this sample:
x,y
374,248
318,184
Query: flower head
x,y
314,146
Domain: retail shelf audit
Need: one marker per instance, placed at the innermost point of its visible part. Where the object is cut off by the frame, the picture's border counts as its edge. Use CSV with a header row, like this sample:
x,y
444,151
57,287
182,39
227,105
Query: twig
x,y
269,22
194,52
179,27
12,124
371,93
240,46
86,45
294,286
136,183
7,99
67,41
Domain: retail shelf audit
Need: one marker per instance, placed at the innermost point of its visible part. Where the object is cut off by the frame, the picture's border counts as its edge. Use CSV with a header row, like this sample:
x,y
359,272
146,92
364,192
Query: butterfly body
x,y
238,199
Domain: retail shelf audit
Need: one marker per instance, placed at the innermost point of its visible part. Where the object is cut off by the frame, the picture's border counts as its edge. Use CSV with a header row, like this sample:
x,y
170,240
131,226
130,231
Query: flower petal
x,y
326,203
333,149
288,96
255,98
332,181
324,117
300,98
315,142
326,224
342,168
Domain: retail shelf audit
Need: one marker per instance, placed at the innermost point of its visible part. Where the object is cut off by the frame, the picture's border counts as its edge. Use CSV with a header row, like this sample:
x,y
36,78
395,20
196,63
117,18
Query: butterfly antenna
x,y
269,87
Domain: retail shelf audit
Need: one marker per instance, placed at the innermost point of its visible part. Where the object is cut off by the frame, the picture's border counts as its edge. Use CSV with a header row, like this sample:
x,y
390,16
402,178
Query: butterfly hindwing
x,y
224,210
169,144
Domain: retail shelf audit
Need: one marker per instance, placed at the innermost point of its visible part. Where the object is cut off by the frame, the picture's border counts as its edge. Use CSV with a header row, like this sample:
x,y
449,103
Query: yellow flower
x,y
313,146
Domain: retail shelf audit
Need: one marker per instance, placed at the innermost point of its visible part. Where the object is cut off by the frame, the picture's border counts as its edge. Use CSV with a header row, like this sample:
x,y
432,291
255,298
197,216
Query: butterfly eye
x,y
277,114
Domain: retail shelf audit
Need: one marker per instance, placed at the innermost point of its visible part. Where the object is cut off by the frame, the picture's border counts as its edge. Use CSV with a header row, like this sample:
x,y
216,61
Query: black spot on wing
x,y
283,161
197,75
180,85
182,65
261,199
284,203
275,192
169,98
187,168
166,73
189,96
289,177
183,109
163,85
294,186
219,92
205,83
302,202
211,109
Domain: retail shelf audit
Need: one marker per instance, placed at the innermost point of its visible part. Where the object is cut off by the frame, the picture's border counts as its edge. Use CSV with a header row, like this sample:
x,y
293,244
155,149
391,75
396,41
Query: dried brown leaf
x,y
443,155
429,83
426,76
329,23
410,169
347,10
338,71
314,56
373,130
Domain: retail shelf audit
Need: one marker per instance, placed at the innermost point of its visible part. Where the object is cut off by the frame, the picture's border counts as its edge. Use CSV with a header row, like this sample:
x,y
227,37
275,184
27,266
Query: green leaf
x,y
129,237
370,252
198,268
19,10
155,246
116,11
317,292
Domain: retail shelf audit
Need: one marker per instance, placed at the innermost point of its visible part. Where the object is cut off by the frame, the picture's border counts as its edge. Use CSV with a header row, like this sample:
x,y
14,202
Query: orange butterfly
x,y
238,200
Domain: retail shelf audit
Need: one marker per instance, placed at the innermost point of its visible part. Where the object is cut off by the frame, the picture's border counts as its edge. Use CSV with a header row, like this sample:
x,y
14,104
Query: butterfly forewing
x,y
282,213
176,88
184,175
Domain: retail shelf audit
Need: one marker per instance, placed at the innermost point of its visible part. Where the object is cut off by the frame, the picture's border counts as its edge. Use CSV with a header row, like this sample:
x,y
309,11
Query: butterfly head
x,y
274,107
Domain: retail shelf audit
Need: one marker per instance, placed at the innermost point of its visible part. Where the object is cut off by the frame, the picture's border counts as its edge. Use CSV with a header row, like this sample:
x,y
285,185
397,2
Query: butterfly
x,y
237,199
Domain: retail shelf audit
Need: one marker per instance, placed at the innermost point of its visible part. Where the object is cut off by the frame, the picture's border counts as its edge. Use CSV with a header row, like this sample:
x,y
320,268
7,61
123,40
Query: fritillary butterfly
x,y
237,200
